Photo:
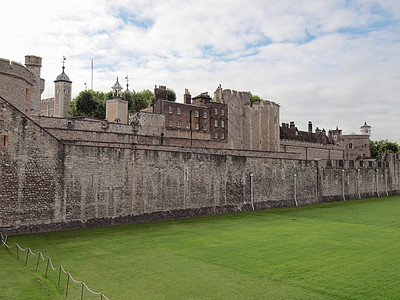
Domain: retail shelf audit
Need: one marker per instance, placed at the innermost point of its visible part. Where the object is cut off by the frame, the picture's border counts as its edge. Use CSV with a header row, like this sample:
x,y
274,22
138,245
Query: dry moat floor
x,y
343,250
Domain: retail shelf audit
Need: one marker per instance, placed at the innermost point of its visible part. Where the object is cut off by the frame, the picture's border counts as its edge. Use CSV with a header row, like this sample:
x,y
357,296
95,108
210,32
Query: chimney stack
x,y
187,97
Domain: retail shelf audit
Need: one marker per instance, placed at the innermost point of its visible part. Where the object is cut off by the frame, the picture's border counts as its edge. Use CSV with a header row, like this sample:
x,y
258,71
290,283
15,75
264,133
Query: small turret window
x,y
4,140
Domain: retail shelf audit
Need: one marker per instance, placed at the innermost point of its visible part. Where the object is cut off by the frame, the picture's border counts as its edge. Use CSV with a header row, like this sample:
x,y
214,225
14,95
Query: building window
x,y
169,123
196,113
188,125
350,146
27,96
170,110
215,135
216,112
196,126
179,124
215,123
178,110
205,115
205,127
365,146
222,112
4,140
222,123
222,135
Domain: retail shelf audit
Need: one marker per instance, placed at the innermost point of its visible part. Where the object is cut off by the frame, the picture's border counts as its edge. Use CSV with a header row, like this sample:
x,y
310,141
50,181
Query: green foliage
x,y
148,96
139,102
85,105
89,103
326,251
379,147
93,103
254,98
171,95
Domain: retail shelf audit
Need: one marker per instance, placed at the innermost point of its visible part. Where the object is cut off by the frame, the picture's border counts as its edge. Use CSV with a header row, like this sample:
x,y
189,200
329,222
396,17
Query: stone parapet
x,y
17,70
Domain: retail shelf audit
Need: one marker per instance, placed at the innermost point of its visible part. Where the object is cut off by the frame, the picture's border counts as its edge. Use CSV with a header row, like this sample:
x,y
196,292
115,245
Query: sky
x,y
332,62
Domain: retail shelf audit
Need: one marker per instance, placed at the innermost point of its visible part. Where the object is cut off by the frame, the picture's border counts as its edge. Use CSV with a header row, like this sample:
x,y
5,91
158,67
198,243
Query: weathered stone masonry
x,y
50,185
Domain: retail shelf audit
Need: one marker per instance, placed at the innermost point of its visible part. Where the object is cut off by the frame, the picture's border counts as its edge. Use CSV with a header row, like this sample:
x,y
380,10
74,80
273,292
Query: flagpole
x,y
92,76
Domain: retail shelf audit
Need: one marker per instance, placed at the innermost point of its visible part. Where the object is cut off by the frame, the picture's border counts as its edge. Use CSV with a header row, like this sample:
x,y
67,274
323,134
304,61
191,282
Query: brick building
x,y
317,144
199,118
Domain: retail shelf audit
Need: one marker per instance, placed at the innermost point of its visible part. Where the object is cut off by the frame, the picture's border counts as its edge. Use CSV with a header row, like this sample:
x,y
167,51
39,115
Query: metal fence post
x,y
47,268
82,292
295,189
17,252
37,264
344,198
66,292
386,185
358,183
377,182
59,275
27,254
251,191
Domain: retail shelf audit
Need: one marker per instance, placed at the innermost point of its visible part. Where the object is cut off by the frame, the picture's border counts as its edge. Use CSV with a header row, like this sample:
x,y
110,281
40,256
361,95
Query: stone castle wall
x,y
253,127
53,185
16,83
310,151
21,86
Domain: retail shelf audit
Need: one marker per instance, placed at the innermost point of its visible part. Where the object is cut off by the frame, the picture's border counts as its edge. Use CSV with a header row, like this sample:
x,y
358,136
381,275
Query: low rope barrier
x,y
49,264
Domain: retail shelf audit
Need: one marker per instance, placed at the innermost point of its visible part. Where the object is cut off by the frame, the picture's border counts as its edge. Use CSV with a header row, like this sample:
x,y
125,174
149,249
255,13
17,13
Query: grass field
x,y
343,250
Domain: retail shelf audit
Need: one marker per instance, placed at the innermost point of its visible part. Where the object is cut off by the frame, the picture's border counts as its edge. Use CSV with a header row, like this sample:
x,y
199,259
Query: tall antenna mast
x,y
92,76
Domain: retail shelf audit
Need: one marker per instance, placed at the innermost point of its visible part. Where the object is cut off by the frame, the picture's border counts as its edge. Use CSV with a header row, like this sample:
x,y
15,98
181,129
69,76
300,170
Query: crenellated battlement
x,y
17,70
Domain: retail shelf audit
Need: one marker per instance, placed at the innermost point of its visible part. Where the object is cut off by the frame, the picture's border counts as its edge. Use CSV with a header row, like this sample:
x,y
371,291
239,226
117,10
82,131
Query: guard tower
x,y
62,93
117,108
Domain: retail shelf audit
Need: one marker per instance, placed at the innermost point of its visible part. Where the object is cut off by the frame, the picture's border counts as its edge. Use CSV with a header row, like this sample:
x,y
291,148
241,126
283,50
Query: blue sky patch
x,y
135,20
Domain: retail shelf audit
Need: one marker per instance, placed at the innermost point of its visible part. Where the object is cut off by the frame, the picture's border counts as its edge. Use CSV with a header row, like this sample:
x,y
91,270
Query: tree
x,y
379,147
85,105
93,103
148,96
127,96
139,102
254,98
171,96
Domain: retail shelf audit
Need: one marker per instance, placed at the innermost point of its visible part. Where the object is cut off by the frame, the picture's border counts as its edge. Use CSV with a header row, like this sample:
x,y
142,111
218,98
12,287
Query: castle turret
x,y
117,108
365,129
33,95
62,94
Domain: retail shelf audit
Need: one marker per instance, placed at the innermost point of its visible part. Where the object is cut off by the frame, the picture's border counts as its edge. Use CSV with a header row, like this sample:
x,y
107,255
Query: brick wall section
x,y
60,186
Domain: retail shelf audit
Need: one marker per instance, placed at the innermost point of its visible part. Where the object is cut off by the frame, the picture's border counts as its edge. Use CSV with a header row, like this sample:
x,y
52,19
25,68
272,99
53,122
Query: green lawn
x,y
343,250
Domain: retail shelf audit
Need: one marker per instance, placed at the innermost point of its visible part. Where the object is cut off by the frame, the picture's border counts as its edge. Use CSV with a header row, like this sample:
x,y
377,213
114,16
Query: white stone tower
x,y
365,129
62,94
